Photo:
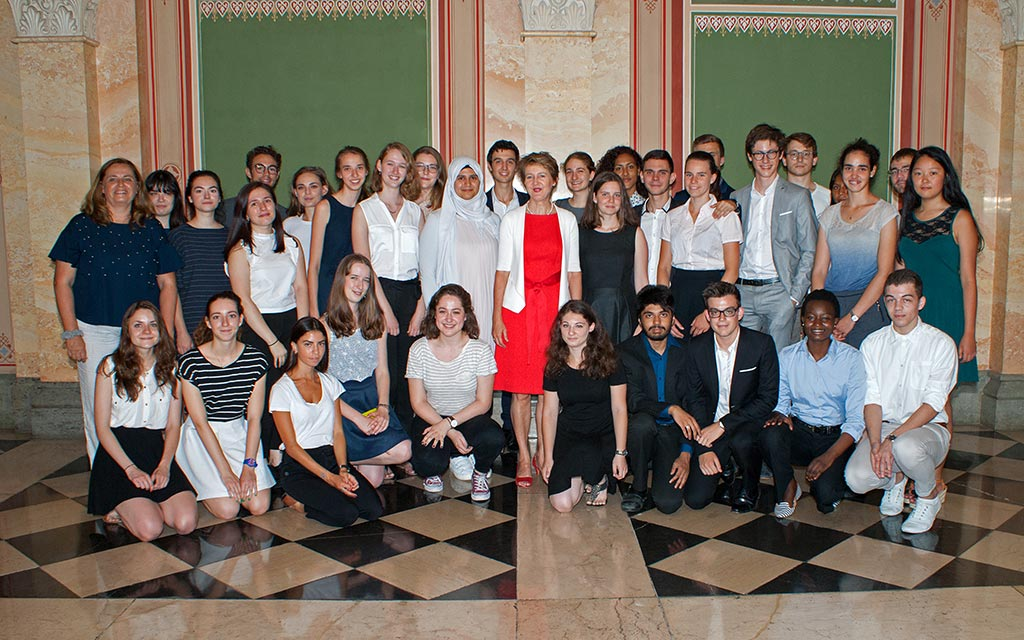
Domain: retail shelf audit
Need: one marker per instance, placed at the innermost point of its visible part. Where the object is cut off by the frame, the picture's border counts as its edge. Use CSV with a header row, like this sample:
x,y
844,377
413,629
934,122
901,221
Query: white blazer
x,y
510,255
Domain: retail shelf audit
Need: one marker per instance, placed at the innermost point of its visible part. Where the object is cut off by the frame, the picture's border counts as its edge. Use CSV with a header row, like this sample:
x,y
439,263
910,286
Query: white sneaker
x,y
922,517
892,499
462,467
783,510
433,484
481,490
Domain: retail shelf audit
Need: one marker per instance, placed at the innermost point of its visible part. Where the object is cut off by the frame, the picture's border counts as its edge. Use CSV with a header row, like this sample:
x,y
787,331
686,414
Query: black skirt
x,y
109,485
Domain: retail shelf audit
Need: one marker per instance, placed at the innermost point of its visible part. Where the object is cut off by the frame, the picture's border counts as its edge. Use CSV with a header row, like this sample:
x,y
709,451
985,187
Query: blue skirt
x,y
362,396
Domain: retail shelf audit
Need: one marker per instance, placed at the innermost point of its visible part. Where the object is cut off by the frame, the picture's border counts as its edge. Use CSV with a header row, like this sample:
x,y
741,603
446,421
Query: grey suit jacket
x,y
794,233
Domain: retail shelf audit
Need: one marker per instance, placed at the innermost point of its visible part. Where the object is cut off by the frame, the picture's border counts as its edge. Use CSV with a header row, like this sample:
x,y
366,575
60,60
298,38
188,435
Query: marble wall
x,y
12,180
117,64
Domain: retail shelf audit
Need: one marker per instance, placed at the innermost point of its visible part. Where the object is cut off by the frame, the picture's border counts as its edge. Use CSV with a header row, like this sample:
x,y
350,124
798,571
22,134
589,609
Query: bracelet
x,y
74,333
621,452
129,467
272,343
383,406
250,462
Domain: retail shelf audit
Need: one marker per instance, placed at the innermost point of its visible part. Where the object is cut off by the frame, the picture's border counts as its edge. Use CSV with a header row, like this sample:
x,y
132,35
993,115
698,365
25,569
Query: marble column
x,y
56,59
1003,401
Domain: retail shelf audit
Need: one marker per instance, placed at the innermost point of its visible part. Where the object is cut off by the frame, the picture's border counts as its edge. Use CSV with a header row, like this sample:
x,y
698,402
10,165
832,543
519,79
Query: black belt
x,y
758,283
822,430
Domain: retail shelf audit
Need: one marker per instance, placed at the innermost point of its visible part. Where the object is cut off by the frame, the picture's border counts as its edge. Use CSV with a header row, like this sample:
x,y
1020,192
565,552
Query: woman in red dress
x,y
538,272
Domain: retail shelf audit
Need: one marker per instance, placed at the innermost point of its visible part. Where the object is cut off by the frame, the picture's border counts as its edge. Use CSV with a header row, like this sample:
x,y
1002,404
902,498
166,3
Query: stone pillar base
x,y
1002,402
42,409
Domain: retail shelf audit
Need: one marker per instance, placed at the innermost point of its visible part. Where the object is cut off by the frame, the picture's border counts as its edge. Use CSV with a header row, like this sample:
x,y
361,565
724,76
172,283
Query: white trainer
x,y
783,510
892,499
433,484
922,517
481,490
462,467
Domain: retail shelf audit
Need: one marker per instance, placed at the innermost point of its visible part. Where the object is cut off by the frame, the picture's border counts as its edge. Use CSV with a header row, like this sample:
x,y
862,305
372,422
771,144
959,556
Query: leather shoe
x,y
745,501
633,502
728,472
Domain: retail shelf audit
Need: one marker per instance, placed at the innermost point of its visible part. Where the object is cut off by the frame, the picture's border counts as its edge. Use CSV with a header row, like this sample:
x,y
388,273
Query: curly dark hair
x,y
126,361
599,359
429,325
607,163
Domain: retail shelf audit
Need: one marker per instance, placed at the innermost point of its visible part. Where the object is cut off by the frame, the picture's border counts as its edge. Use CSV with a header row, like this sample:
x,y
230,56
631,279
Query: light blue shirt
x,y
825,392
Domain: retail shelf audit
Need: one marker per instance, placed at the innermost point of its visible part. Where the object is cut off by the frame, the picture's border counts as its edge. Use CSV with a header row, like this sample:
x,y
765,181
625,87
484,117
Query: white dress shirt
x,y
394,242
697,244
906,371
501,208
651,223
821,197
757,262
725,360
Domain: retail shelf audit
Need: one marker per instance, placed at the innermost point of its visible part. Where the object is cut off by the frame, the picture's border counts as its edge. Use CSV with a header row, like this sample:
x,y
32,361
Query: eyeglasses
x,y
272,169
762,155
425,168
728,312
899,171
797,155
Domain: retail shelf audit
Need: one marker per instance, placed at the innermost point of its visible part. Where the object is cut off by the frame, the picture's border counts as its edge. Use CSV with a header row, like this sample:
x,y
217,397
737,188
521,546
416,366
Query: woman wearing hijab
x,y
464,229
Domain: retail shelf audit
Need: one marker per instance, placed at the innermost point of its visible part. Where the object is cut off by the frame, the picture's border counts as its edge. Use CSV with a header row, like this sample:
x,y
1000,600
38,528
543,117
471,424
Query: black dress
x,y
585,436
606,260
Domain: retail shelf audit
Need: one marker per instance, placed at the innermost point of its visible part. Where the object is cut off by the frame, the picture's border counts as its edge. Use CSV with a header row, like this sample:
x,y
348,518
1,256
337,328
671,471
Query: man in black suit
x,y
262,164
655,388
733,375
502,161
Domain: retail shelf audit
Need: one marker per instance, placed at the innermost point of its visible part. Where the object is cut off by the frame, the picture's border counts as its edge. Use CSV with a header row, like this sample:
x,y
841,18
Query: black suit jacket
x,y
755,383
489,198
642,385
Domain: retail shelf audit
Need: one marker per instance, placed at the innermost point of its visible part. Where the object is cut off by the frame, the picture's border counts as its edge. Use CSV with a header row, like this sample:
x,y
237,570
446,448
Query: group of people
x,y
362,332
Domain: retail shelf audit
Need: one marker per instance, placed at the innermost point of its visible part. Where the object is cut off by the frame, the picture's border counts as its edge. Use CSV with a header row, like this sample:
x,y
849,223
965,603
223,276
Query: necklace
x,y
551,209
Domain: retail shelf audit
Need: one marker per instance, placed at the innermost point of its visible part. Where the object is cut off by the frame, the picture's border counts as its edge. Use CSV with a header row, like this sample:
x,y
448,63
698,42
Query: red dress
x,y
521,361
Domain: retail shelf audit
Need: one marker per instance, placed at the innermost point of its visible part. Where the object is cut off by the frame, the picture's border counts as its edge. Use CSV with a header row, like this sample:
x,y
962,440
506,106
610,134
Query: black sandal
x,y
595,491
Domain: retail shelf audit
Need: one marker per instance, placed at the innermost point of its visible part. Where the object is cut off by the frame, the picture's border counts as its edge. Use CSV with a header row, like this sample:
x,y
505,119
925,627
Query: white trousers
x,y
100,341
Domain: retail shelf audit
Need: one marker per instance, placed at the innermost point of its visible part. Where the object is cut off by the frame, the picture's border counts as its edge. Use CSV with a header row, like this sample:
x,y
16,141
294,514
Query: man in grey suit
x,y
780,232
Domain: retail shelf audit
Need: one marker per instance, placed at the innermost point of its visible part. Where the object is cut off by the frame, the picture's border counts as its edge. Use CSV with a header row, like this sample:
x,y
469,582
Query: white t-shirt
x,y
271,275
313,421
697,245
450,386
302,230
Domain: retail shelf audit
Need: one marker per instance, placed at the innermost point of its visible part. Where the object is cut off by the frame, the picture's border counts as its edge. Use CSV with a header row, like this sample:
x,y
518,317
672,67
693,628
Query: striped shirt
x,y
202,269
225,390
450,386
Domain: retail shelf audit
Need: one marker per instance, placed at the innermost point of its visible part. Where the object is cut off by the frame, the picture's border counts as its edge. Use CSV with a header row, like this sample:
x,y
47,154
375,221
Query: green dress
x,y
928,248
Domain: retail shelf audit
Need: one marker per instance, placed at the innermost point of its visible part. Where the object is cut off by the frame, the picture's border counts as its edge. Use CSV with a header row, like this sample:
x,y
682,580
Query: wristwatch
x,y
892,437
854,317
452,421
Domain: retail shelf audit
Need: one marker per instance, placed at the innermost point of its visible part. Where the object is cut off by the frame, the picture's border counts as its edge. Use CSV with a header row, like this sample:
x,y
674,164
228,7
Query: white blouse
x,y
149,411
697,244
271,275
313,421
394,243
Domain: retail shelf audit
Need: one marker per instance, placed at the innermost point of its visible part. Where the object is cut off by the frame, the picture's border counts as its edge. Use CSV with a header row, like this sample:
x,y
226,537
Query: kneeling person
x,y
820,415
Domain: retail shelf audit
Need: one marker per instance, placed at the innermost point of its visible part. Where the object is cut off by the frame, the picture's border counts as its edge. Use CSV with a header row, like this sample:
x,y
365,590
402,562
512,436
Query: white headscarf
x,y
454,206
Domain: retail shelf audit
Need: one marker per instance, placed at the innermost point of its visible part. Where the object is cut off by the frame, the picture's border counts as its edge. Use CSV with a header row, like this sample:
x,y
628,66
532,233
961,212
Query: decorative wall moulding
x,y
1012,12
558,18
821,26
55,18
307,9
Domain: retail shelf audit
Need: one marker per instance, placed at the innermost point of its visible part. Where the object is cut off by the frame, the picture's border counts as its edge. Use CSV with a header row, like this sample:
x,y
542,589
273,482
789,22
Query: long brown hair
x,y
470,327
126,361
95,203
437,191
203,332
599,359
410,187
339,318
592,217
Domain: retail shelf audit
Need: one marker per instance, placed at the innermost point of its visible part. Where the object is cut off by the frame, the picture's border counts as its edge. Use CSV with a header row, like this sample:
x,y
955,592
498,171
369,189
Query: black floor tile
x,y
72,541
965,573
809,578
497,542
347,585
398,496
789,538
190,584
989,488
504,499
658,542
500,587
365,543
218,542
81,465
989,433
1016,452
7,445
36,494
964,460
950,538
1014,524
33,583
670,585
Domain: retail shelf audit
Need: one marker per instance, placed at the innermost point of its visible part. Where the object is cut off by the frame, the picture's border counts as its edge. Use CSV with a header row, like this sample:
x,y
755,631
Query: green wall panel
x,y
837,87
308,87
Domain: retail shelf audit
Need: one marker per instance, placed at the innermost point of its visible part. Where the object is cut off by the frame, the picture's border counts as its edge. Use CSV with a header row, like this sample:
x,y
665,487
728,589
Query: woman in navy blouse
x,y
110,255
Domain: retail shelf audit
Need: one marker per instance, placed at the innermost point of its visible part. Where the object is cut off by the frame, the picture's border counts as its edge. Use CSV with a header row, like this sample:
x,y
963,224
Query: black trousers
x,y
783,448
641,442
481,432
402,295
742,446
323,502
281,324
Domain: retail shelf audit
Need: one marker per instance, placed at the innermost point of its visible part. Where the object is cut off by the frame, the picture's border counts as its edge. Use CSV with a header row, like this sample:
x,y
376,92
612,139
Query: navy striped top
x,y
225,390
202,270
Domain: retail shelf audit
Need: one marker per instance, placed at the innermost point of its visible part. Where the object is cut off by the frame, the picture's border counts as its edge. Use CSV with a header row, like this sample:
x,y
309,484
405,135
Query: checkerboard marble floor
x,y
513,567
